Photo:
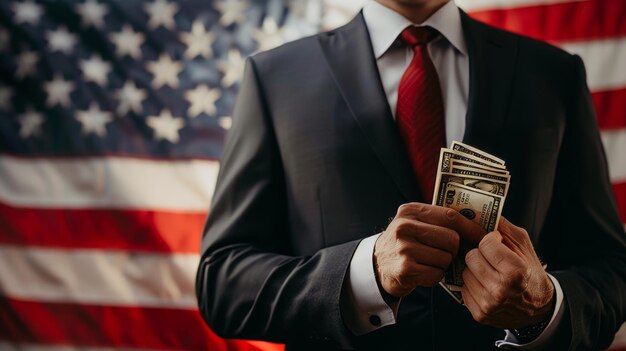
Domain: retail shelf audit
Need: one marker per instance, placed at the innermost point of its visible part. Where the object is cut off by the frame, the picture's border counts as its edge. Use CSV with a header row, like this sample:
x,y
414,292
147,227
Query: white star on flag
x,y
165,126
231,68
269,36
58,91
26,62
92,13
5,97
198,41
165,71
95,70
202,99
30,123
94,120
27,12
161,13
127,42
4,39
232,11
225,122
130,98
61,40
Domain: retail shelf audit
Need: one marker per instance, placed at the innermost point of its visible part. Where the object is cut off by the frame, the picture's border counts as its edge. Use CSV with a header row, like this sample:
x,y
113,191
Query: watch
x,y
530,333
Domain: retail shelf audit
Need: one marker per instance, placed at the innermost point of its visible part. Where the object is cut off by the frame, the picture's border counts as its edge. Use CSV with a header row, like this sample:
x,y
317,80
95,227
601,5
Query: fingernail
x,y
504,223
451,214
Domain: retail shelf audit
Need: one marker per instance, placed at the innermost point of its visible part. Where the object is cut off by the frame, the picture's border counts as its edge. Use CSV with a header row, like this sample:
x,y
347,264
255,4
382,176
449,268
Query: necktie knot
x,y
414,36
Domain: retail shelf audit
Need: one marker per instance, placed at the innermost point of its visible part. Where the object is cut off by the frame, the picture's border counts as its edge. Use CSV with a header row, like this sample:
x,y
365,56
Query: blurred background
x,y
112,118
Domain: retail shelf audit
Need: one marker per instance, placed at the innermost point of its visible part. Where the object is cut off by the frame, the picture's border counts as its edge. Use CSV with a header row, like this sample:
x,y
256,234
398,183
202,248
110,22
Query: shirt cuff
x,y
363,307
510,341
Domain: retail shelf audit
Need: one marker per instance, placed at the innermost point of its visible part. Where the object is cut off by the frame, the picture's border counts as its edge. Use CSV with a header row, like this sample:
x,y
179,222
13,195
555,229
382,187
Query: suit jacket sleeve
x,y
249,284
589,251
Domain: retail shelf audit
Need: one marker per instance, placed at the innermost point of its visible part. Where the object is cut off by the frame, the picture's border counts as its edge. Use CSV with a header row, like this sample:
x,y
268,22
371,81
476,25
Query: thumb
x,y
516,238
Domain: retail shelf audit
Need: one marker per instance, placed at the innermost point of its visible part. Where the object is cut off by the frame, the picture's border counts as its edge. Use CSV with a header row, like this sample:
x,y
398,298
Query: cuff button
x,y
375,320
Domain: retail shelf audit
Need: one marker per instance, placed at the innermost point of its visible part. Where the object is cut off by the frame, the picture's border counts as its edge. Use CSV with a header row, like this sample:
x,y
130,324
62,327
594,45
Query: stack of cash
x,y
475,184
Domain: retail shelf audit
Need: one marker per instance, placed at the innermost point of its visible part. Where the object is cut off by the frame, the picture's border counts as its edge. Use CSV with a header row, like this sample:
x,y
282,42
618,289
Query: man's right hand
x,y
418,246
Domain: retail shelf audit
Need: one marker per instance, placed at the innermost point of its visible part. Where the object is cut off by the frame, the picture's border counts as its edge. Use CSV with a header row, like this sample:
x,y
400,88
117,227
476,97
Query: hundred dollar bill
x,y
493,186
447,156
474,183
459,163
479,206
466,149
489,180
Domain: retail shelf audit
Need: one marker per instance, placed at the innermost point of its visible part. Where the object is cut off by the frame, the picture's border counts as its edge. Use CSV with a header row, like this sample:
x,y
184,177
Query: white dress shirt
x,y
362,302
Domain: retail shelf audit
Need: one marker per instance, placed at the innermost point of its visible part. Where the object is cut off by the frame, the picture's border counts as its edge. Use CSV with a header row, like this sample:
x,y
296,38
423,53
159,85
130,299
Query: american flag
x,y
112,117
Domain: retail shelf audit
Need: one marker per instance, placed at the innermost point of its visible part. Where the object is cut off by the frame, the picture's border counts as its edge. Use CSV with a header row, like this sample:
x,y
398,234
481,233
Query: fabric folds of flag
x,y
112,118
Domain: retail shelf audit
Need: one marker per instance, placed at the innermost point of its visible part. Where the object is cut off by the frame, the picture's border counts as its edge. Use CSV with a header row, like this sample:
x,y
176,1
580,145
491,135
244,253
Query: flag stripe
x,y
155,231
38,347
615,144
600,57
99,277
248,345
610,108
553,22
24,321
107,182
477,5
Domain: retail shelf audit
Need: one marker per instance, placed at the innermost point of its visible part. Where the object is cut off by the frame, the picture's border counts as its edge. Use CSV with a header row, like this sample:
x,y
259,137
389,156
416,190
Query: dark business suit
x,y
313,163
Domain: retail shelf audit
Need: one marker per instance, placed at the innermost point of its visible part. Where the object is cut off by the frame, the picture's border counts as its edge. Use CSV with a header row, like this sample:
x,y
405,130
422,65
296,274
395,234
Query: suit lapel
x,y
351,60
492,66
349,54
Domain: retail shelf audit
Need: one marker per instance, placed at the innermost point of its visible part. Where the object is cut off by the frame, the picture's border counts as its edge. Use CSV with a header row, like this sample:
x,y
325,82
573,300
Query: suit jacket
x,y
313,163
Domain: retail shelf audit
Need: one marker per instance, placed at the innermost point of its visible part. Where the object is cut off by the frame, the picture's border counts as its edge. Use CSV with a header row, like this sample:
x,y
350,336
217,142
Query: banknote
x,y
460,163
470,150
474,183
482,208
473,173
448,156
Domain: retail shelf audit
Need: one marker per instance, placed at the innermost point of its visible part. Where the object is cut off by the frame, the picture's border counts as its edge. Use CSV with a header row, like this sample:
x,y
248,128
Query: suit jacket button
x,y
375,320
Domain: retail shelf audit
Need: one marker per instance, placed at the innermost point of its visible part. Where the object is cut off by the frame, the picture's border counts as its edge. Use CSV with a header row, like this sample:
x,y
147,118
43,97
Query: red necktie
x,y
420,112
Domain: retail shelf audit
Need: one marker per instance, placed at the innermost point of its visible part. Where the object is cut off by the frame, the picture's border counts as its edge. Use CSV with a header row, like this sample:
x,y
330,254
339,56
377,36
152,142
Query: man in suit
x,y
335,135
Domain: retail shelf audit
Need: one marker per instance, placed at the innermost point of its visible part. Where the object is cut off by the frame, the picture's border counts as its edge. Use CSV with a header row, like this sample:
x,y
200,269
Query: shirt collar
x,y
385,25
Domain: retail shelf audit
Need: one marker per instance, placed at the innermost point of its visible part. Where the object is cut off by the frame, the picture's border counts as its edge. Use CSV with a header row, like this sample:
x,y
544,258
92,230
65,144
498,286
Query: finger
x,y
515,237
481,294
422,275
480,267
443,217
499,255
470,302
428,255
431,235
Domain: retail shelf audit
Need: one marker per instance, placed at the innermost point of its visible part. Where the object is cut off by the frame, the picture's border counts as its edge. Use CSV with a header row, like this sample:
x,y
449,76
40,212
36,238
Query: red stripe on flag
x,y
620,196
136,230
569,21
106,326
610,108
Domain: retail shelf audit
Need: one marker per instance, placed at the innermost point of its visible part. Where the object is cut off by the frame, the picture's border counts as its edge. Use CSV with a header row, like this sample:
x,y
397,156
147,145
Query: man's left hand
x,y
505,283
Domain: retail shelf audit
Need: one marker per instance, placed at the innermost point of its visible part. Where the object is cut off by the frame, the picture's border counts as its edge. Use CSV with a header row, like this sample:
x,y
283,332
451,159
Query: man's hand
x,y
505,283
418,246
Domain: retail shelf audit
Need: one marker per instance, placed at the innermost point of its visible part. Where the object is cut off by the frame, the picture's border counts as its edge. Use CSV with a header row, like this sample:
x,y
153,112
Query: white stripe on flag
x,y
600,57
615,145
107,182
99,277
477,5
